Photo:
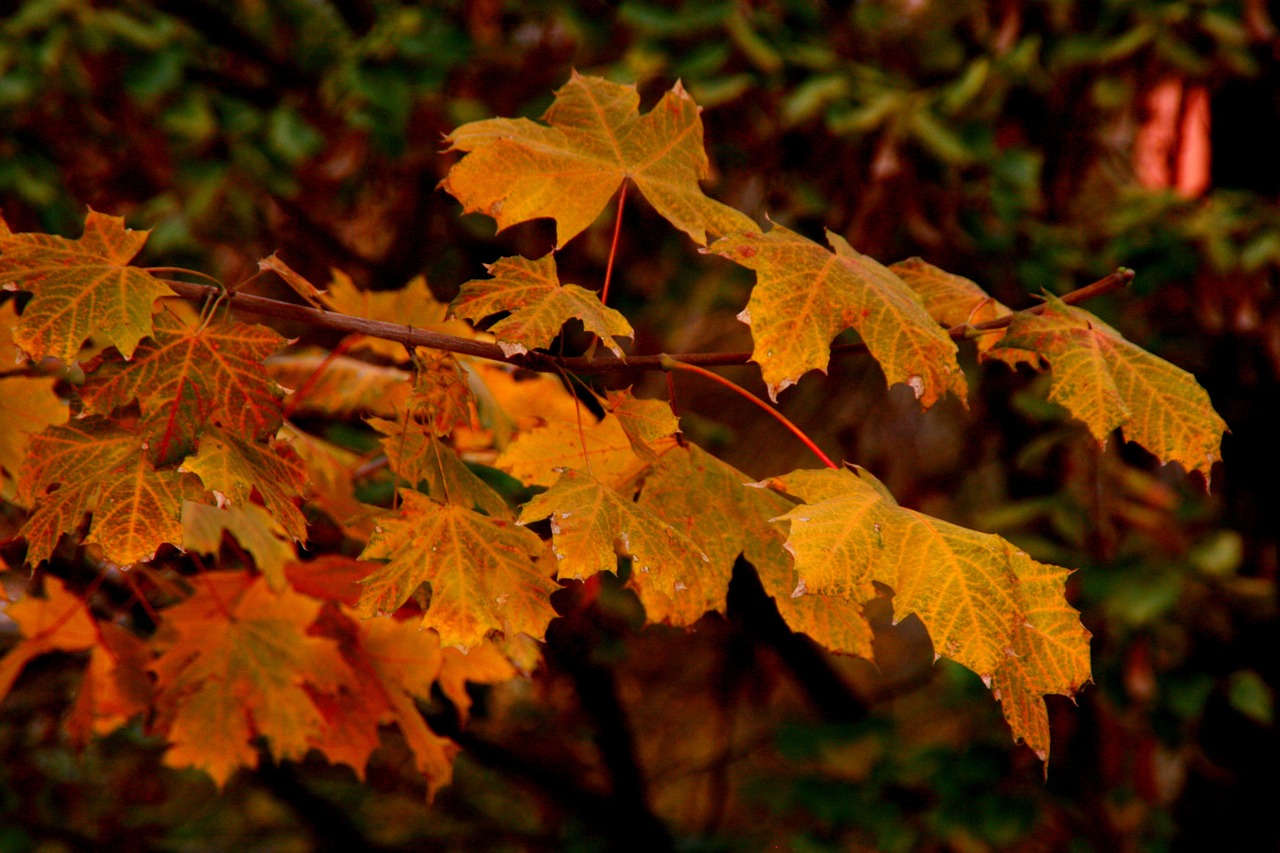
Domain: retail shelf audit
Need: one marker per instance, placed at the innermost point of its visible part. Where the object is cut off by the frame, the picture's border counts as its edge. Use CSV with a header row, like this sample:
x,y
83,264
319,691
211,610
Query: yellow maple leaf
x,y
28,404
954,300
1109,383
715,506
516,170
413,305
484,572
986,604
591,525
539,306
233,468
805,295
417,456
81,287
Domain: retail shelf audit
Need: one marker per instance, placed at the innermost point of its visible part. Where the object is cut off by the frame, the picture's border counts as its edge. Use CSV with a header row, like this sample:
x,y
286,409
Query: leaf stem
x,y
669,363
613,249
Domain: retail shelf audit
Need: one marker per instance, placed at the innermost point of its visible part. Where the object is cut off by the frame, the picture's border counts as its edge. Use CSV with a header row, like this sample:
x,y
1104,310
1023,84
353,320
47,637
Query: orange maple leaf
x,y
81,287
99,466
189,377
516,170
239,664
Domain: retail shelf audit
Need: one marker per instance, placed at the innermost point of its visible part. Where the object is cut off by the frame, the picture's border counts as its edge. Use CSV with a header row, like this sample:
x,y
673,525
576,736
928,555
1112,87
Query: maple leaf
x,y
338,385
483,571
239,664
1109,383
714,505
1050,654
591,525
954,300
255,529
980,598
28,404
539,306
58,622
645,423
413,305
484,664
81,287
234,468
95,465
191,376
516,170
330,484
441,398
805,295
602,448
115,687
394,663
417,456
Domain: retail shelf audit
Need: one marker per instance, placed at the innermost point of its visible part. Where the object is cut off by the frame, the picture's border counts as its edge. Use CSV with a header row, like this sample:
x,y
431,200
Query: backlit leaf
x,y
484,572
805,295
81,287
58,622
539,306
986,604
95,465
1109,383
255,529
28,404
712,504
413,305
516,170
954,300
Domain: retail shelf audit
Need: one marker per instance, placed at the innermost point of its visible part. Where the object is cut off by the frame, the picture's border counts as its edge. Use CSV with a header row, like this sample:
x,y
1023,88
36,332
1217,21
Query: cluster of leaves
x,y
175,435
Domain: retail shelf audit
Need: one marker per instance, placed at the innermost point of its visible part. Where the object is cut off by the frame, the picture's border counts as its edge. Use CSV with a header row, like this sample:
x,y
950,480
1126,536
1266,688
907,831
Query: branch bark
x,y
547,363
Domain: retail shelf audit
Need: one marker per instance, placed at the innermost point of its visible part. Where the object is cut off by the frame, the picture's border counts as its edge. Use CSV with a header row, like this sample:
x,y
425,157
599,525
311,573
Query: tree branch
x,y
547,363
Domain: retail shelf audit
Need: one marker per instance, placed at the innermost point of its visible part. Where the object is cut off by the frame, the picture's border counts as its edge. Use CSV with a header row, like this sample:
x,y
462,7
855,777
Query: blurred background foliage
x,y
1028,144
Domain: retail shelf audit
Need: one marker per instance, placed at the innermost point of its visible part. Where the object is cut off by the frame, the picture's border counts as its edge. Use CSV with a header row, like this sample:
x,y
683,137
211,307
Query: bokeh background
x,y
1031,145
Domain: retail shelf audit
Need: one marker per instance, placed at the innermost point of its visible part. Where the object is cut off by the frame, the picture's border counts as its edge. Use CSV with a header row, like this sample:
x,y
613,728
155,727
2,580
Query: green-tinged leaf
x,y
81,287
418,456
805,295
986,604
234,468
516,170
646,423
1109,383
539,305
484,572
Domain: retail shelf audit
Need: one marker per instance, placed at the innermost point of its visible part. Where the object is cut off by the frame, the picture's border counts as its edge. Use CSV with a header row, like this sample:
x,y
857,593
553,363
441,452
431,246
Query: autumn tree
x,y
231,471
